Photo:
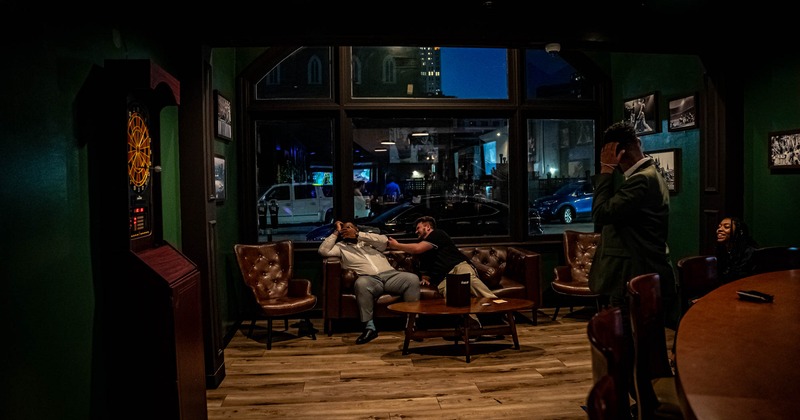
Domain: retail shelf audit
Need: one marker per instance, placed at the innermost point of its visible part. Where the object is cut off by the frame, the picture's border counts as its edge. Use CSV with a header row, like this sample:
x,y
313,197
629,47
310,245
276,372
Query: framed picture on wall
x,y
642,113
224,116
683,113
668,162
784,150
219,177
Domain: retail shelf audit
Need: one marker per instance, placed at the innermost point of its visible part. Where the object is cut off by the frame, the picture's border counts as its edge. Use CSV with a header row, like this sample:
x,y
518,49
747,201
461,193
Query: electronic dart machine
x,y
151,294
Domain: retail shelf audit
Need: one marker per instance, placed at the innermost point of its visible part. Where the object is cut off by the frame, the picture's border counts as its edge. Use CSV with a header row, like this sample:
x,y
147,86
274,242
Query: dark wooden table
x,y
477,306
741,360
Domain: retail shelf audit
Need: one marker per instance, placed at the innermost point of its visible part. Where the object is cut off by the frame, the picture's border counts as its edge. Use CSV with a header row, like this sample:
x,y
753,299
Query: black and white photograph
x,y
668,163
219,178
683,113
642,113
224,117
784,150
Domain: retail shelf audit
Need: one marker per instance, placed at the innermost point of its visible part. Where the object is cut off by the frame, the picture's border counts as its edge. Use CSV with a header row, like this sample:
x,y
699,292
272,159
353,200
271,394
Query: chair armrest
x,y
524,266
332,285
299,287
563,274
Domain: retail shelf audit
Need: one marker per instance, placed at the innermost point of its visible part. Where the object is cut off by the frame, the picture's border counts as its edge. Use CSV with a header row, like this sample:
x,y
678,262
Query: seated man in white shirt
x,y
363,253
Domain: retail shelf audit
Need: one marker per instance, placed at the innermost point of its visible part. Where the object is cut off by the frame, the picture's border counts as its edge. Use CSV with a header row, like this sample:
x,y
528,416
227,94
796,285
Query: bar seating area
x,y
510,272
154,271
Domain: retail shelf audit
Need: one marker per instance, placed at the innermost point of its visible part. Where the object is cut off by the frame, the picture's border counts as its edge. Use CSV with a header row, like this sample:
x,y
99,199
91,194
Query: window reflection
x,y
430,72
452,168
560,153
293,175
549,76
414,156
305,74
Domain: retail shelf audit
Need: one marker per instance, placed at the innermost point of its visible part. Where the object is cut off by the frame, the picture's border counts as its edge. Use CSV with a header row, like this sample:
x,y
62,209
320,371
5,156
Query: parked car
x,y
295,203
458,216
570,202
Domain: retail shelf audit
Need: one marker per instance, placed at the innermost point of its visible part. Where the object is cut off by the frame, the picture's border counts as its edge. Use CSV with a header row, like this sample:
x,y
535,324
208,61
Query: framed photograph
x,y
784,150
683,113
219,177
668,162
224,116
642,113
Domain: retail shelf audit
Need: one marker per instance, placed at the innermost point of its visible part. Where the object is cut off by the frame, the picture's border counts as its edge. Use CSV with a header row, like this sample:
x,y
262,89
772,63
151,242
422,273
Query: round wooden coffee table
x,y
477,306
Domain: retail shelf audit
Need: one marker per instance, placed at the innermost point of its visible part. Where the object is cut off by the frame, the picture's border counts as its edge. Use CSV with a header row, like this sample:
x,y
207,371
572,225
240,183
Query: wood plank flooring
x,y
549,377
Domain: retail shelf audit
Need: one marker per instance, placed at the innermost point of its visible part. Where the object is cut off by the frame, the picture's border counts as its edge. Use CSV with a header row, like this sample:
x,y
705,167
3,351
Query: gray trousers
x,y
370,288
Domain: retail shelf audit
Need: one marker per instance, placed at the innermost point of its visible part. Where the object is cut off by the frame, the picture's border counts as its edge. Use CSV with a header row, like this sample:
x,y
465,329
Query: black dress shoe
x,y
367,336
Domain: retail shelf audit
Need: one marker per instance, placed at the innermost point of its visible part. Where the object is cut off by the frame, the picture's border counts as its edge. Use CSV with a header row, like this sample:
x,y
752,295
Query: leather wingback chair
x,y
268,270
654,381
611,356
697,275
572,279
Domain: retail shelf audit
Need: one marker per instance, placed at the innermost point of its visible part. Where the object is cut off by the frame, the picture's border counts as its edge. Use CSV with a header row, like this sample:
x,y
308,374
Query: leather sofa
x,y
509,272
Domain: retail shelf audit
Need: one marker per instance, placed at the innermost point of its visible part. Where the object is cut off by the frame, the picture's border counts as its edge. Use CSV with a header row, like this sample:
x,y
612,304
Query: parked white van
x,y
296,203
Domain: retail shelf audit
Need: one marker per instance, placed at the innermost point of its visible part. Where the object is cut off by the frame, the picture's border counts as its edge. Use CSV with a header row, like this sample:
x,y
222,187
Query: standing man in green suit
x,y
633,212
631,206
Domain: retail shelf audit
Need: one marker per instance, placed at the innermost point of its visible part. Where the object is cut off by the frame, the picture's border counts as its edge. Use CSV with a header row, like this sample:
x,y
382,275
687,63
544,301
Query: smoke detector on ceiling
x,y
553,48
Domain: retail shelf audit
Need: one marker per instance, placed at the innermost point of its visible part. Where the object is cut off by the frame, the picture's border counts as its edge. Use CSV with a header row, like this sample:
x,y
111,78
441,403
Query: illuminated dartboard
x,y
139,153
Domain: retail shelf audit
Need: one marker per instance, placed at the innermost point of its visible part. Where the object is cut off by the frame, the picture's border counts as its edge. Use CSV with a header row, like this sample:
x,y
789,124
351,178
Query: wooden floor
x,y
333,378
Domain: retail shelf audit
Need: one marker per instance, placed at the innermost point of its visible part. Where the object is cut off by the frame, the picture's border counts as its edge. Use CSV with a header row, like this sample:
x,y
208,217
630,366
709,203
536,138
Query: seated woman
x,y
735,249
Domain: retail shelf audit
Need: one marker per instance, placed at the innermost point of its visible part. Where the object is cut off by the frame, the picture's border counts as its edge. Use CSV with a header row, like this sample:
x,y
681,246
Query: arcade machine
x,y
149,293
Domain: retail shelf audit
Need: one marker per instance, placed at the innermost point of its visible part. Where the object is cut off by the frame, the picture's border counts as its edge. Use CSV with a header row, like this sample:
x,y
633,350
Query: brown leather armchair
x,y
697,275
268,270
573,279
508,271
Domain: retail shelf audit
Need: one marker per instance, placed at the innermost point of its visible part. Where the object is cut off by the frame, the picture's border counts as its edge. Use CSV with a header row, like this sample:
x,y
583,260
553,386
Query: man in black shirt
x,y
440,256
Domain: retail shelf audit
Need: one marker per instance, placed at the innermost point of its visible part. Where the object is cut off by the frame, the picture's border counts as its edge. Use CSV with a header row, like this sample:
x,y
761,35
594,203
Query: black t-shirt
x,y
442,258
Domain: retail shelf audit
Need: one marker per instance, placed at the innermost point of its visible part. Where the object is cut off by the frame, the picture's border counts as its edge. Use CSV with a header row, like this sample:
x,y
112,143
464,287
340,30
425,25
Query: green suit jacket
x,y
634,222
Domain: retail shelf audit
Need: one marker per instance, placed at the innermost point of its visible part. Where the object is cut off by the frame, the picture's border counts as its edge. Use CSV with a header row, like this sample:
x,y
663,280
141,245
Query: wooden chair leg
x,y
555,314
311,329
252,326
269,333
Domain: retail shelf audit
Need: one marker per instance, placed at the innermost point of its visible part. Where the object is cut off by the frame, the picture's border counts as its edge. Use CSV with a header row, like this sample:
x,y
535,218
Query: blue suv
x,y
570,202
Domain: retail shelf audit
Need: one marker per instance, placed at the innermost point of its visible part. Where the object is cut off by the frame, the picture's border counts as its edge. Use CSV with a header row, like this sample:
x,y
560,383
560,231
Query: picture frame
x,y
683,113
642,113
668,162
220,178
224,116
783,150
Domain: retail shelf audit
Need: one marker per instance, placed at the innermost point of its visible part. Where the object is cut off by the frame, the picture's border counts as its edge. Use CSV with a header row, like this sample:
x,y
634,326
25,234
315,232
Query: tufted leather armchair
x,y
268,270
508,271
573,279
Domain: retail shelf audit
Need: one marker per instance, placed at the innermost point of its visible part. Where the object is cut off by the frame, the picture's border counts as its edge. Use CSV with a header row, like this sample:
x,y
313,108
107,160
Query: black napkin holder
x,y
458,290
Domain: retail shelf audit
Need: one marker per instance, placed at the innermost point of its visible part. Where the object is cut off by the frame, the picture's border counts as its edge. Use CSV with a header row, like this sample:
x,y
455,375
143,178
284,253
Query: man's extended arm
x,y
411,248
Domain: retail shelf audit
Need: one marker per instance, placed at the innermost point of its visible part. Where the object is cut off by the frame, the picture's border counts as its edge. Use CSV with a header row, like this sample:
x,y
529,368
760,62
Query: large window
x,y
423,131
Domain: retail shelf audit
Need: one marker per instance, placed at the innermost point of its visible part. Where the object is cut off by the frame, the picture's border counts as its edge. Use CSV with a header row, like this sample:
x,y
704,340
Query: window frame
x,y
343,108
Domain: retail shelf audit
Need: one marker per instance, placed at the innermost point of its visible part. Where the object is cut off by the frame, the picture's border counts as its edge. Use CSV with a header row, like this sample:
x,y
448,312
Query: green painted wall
x,y
229,278
772,103
669,76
